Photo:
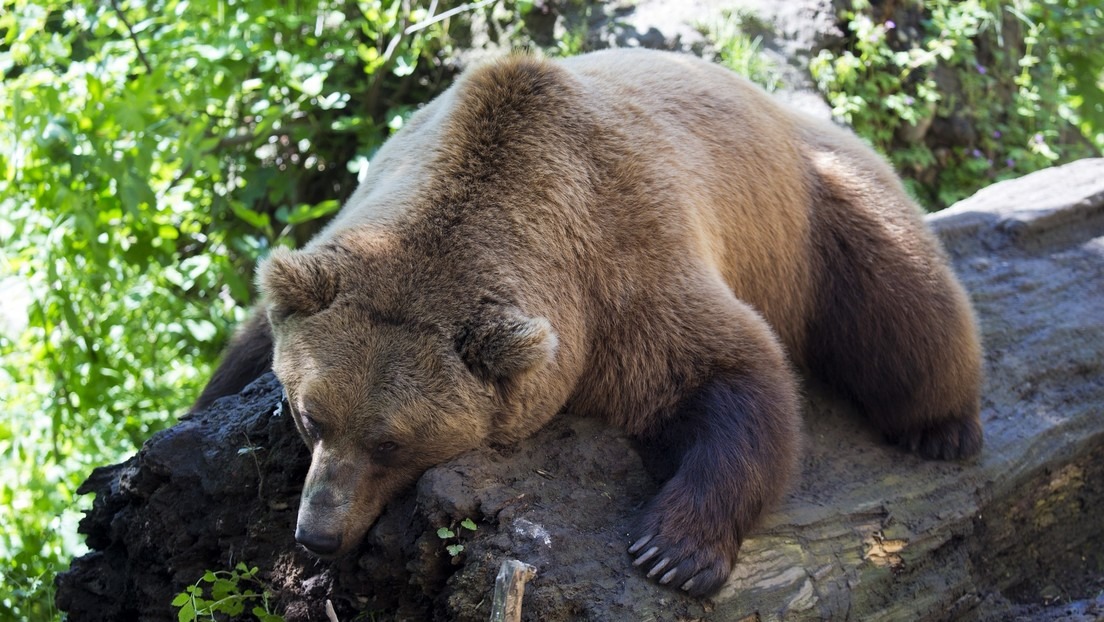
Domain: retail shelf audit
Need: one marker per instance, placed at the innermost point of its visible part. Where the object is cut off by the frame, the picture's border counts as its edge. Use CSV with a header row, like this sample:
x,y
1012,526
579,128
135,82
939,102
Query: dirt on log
x,y
869,532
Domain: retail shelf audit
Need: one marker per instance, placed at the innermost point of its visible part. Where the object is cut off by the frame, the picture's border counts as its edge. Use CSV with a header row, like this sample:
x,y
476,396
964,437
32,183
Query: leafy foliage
x,y
150,153
229,593
740,51
987,90
447,534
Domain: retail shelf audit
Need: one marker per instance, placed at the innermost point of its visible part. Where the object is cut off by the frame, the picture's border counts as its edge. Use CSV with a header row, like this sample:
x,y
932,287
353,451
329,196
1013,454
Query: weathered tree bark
x,y
868,533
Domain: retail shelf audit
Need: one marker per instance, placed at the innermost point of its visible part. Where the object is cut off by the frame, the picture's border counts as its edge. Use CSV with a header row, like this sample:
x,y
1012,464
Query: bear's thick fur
x,y
639,235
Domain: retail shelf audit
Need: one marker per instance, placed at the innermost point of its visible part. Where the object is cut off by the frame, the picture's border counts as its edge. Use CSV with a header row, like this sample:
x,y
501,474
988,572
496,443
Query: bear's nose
x,y
318,543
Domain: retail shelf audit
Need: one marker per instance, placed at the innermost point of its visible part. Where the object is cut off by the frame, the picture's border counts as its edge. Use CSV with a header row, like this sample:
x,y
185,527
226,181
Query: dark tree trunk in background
x,y
869,532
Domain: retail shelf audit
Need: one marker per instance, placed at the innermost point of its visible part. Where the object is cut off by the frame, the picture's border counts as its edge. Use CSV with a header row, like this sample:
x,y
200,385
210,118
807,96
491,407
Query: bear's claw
x,y
660,566
953,439
695,569
646,555
639,544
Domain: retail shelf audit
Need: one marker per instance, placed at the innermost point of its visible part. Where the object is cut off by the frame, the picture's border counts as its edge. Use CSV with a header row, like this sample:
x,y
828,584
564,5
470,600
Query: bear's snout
x,y
317,542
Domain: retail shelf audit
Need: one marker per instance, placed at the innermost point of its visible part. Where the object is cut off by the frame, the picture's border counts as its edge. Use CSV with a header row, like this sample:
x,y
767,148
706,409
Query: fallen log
x,y
869,532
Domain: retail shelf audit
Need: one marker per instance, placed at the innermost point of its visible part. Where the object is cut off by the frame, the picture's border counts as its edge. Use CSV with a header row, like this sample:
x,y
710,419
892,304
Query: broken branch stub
x,y
510,590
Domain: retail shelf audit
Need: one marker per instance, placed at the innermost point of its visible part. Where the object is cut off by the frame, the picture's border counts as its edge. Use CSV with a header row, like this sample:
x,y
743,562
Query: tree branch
x,y
133,37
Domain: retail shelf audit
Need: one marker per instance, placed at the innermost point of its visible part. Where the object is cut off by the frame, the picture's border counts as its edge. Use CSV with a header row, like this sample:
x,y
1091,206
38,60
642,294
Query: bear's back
x,y
732,165
630,165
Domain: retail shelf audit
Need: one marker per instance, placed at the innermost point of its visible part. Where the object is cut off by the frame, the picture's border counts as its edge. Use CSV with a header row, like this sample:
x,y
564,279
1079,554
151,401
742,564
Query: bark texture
x,y
869,532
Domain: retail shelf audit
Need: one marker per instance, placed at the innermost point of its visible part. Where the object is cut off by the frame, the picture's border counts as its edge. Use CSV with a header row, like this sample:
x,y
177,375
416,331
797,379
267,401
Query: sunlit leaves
x,y
150,152
1001,79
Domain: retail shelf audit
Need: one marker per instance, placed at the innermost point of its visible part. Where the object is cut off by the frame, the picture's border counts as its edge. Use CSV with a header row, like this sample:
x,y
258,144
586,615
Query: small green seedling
x,y
445,533
229,594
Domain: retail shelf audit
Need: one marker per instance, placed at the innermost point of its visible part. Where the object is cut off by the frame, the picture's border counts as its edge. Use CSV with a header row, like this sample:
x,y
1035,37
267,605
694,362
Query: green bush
x,y
740,51
150,153
1015,87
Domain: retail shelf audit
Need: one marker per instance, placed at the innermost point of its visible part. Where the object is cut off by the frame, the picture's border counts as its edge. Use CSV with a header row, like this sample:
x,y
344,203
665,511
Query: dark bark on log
x,y
869,532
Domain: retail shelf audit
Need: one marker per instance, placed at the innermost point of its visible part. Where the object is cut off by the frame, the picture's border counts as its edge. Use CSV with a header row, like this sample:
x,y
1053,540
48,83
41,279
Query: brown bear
x,y
639,235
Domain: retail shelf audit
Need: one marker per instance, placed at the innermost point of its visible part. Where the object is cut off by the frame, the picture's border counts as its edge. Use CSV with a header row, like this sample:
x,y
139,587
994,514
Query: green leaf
x,y
187,613
254,218
201,330
167,232
445,533
265,616
306,213
312,86
222,588
232,607
468,524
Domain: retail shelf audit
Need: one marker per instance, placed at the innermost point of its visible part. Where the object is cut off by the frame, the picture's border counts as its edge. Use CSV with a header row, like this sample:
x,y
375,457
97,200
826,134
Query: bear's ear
x,y
297,283
500,345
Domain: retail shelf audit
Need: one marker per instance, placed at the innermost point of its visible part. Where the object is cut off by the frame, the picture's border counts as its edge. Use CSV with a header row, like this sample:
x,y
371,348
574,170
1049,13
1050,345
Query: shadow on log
x,y
868,533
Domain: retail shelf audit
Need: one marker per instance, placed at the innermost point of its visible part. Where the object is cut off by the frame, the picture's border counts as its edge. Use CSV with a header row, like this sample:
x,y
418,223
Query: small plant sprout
x,y
227,592
446,533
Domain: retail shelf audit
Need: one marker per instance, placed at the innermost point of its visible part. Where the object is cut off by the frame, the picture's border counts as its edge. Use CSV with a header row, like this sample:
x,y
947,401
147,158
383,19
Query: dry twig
x,y
509,590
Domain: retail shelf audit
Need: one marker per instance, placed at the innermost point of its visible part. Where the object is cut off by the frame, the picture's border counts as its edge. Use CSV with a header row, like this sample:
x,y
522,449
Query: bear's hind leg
x,y
894,329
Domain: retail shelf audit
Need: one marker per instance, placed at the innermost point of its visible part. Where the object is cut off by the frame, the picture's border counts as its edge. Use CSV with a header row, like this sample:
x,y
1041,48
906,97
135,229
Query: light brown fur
x,y
636,235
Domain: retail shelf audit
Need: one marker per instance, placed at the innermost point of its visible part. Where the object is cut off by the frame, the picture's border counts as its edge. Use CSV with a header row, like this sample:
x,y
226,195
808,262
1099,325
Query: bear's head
x,y
383,386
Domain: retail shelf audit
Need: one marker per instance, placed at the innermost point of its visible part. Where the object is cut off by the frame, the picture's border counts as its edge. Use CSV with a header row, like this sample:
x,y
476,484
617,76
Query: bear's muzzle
x,y
317,542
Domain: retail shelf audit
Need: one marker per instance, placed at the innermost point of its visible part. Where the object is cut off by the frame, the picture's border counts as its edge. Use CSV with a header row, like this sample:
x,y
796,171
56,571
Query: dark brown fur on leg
x,y
894,329
248,356
735,440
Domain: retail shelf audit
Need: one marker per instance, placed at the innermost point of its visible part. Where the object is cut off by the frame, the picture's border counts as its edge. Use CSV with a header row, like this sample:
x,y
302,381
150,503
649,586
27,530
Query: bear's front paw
x,y
680,551
953,439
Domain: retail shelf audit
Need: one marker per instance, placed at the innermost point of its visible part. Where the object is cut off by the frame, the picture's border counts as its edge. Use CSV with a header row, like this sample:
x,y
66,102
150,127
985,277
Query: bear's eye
x,y
384,454
311,426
